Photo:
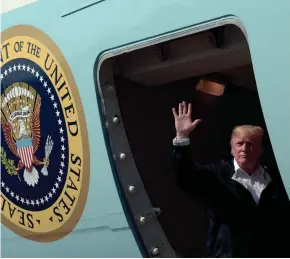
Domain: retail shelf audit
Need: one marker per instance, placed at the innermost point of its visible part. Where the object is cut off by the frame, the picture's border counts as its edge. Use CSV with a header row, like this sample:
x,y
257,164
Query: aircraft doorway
x,y
138,90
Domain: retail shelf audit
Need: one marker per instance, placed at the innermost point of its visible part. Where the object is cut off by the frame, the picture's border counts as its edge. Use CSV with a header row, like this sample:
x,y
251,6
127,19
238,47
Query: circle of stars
x,y
49,195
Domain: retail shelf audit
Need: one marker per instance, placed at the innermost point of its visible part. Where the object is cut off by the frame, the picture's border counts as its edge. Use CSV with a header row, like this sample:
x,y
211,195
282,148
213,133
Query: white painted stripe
x,y
9,5
29,155
24,157
20,153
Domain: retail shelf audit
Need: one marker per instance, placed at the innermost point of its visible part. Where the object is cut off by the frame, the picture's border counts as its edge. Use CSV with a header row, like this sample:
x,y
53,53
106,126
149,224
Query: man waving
x,y
249,210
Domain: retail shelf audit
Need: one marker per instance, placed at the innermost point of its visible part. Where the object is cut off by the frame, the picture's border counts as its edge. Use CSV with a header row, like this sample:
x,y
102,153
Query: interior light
x,y
210,87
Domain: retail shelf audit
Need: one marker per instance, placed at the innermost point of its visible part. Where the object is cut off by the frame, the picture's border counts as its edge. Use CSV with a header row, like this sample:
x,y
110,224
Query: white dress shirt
x,y
255,183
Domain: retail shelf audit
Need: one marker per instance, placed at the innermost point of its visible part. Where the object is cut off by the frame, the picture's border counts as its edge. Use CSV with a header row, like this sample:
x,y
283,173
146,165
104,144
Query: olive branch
x,y
9,164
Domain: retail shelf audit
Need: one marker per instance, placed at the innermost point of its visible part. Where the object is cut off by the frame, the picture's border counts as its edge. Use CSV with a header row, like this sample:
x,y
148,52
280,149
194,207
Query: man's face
x,y
247,149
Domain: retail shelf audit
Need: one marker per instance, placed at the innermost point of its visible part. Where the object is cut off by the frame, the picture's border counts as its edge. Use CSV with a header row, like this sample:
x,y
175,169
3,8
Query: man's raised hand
x,y
183,121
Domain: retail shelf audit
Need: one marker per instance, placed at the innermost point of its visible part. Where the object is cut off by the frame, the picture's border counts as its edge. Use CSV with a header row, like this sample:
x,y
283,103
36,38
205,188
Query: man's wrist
x,y
181,141
179,136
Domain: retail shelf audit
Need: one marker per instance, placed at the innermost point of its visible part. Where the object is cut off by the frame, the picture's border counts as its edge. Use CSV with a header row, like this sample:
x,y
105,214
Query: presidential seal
x,y
44,147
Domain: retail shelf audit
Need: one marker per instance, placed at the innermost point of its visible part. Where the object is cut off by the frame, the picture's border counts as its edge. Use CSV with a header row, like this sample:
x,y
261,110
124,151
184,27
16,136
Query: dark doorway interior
x,y
148,121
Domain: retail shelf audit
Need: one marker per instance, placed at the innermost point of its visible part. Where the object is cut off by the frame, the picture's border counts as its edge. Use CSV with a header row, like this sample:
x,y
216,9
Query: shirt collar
x,y
237,167
240,173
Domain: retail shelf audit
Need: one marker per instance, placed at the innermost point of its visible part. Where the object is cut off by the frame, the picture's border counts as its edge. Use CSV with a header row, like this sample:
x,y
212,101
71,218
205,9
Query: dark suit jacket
x,y
238,227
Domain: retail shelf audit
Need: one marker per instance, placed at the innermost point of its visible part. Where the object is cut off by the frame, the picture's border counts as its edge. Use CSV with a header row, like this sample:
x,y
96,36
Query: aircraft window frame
x,y
141,215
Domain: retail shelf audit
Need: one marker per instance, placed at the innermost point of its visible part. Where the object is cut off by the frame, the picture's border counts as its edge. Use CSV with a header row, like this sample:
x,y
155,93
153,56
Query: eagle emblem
x,y
20,121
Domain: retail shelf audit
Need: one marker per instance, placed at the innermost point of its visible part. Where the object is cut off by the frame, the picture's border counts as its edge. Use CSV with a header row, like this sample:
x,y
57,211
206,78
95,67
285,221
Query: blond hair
x,y
248,129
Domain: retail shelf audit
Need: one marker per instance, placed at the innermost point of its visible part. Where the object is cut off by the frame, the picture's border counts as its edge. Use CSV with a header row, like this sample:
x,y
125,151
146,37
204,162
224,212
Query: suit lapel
x,y
237,189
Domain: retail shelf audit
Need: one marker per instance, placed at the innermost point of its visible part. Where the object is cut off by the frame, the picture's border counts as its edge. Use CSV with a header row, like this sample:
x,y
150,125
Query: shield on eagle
x,y
25,151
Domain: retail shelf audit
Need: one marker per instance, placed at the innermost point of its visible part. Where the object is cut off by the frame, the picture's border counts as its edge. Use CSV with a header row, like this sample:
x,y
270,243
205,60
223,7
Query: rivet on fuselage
x,y
131,188
116,120
155,251
142,220
122,156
